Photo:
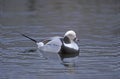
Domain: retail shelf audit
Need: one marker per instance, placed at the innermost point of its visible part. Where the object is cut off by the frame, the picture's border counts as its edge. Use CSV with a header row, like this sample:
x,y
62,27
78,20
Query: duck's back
x,y
53,45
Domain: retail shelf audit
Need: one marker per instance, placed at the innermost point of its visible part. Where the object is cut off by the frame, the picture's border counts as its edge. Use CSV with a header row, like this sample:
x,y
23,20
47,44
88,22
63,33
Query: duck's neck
x,y
72,45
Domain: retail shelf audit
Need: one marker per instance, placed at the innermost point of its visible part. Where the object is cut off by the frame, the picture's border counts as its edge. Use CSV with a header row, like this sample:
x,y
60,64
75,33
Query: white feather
x,y
72,45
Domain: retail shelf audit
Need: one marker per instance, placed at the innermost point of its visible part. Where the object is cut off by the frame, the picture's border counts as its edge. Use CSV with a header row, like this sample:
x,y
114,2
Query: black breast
x,y
67,52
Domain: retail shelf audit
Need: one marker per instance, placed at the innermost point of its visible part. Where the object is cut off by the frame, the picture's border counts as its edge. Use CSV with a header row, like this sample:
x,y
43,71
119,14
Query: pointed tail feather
x,y
29,38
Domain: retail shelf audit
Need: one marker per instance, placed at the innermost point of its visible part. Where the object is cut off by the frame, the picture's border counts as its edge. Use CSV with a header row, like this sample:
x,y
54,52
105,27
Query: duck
x,y
69,50
62,45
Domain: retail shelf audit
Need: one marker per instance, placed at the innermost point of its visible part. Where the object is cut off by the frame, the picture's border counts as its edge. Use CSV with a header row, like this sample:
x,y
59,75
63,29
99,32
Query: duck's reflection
x,y
68,59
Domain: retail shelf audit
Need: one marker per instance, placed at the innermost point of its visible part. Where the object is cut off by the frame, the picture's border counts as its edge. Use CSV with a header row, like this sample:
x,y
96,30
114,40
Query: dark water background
x,y
97,23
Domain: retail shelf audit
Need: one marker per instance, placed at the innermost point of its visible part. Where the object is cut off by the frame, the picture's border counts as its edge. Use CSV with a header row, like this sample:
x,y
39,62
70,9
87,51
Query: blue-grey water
x,y
96,22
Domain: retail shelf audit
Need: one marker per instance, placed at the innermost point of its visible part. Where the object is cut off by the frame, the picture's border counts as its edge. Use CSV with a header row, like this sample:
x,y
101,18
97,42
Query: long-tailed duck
x,y
64,46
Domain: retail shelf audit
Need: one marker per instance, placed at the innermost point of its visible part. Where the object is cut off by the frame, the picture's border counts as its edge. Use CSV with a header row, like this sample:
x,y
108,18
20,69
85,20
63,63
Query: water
x,y
96,23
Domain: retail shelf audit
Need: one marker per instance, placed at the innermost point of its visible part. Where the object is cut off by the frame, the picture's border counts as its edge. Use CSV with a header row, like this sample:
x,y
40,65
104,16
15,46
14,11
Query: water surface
x,y
96,23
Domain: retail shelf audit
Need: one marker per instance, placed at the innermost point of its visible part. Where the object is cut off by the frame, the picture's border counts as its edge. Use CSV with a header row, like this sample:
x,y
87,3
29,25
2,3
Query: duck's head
x,y
70,36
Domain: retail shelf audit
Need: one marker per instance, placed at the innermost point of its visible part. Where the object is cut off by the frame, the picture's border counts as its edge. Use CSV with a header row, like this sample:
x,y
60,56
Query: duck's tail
x,y
29,38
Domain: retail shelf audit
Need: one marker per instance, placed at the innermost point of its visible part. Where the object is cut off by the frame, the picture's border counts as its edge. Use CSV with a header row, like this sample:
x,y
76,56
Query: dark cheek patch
x,y
66,40
75,39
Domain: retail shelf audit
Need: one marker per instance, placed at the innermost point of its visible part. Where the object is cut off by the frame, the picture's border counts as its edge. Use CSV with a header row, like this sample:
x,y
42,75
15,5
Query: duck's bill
x,y
76,39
